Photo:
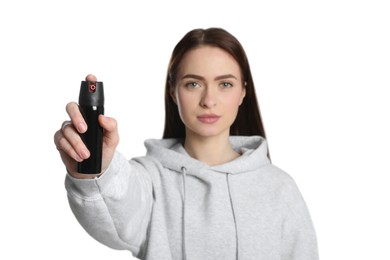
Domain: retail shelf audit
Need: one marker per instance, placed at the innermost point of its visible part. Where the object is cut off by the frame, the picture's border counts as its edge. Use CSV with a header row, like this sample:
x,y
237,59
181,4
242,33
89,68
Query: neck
x,y
210,150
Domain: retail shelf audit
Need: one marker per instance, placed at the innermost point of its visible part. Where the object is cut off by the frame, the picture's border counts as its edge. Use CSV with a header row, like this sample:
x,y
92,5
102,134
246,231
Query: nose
x,y
209,98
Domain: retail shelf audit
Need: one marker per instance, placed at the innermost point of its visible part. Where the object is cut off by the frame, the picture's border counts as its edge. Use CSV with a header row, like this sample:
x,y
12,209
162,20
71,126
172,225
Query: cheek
x,y
232,105
185,102
234,108
234,102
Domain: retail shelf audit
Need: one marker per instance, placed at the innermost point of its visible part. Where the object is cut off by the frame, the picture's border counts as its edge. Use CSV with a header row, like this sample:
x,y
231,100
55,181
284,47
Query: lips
x,y
208,118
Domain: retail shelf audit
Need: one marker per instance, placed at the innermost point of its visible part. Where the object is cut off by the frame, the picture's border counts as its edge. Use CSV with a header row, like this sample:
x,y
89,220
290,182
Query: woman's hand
x,y
72,149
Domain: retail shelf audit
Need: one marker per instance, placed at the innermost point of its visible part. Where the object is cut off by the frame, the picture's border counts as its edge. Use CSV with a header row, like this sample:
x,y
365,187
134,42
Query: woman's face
x,y
208,91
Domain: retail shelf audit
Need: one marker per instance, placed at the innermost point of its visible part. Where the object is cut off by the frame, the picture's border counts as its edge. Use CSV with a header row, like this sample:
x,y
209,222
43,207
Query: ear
x,y
243,93
172,93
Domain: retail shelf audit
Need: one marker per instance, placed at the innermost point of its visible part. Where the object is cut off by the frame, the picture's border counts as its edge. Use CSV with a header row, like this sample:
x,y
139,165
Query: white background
x,y
321,70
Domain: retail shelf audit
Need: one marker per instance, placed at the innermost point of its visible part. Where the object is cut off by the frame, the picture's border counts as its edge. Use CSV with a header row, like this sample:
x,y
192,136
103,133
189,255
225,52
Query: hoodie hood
x,y
172,155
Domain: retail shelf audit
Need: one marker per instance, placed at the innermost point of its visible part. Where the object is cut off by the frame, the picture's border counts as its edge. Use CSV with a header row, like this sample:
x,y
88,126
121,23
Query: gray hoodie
x,y
167,205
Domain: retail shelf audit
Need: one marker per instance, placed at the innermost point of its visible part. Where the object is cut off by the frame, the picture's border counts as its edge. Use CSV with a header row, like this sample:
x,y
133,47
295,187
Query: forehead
x,y
208,61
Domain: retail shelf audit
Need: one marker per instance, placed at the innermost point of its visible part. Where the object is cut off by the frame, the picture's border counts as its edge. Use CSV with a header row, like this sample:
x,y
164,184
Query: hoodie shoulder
x,y
277,177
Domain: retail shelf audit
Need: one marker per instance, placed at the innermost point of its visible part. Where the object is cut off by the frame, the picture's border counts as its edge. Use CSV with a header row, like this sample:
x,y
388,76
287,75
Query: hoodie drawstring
x,y
184,175
234,215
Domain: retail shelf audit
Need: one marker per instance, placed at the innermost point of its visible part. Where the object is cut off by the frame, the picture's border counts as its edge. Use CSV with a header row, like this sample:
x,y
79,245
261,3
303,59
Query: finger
x,y
90,77
77,118
65,148
74,142
65,123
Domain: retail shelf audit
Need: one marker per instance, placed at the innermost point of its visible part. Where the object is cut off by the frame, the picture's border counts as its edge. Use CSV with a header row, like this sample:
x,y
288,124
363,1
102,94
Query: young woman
x,y
207,190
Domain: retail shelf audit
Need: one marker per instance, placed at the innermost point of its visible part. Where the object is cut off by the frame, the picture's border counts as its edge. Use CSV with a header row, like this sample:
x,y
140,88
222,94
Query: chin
x,y
207,133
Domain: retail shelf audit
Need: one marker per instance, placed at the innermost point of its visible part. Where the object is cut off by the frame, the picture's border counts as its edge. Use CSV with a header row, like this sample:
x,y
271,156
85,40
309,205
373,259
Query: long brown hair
x,y
248,121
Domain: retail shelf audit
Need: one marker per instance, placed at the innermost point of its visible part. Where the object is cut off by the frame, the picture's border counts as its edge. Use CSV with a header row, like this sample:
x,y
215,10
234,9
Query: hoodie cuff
x,y
90,189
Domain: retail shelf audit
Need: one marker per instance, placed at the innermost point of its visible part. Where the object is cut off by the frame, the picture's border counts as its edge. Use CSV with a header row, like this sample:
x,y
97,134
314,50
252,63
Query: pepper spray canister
x,y
91,104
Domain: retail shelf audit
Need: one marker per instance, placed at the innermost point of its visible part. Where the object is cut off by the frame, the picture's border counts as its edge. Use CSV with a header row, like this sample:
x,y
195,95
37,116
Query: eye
x,y
226,85
192,85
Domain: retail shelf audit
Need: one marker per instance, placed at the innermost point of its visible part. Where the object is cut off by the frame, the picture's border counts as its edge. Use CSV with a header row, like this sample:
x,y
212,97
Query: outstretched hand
x,y
70,145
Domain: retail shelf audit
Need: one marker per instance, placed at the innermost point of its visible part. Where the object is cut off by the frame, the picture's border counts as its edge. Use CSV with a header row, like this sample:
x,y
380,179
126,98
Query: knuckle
x,y
72,109
68,150
79,144
114,123
62,142
57,136
116,141
66,128
70,105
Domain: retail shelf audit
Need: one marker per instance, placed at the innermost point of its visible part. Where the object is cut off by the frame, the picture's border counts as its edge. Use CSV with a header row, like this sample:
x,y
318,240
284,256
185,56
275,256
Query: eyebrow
x,y
194,76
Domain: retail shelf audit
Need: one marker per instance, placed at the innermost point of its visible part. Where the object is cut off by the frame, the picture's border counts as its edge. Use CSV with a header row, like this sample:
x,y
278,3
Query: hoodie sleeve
x,y
115,208
299,240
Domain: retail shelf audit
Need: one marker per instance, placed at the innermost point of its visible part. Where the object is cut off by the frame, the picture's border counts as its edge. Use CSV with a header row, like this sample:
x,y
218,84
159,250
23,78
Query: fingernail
x,y
82,127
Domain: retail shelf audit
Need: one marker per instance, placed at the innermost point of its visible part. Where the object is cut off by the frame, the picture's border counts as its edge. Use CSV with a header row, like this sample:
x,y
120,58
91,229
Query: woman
x,y
207,190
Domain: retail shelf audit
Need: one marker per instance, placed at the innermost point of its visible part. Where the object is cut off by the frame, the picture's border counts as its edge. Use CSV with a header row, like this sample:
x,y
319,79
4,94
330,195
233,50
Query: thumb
x,y
110,126
91,77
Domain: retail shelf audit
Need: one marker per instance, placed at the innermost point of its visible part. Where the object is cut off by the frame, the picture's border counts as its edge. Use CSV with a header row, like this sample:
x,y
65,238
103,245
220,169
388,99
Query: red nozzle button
x,y
92,87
